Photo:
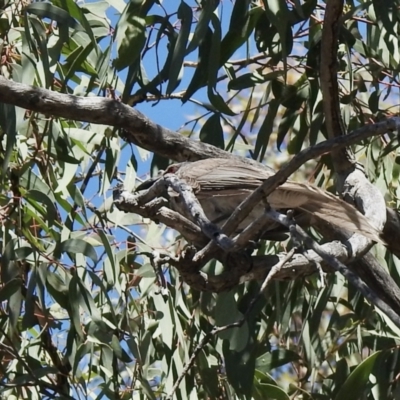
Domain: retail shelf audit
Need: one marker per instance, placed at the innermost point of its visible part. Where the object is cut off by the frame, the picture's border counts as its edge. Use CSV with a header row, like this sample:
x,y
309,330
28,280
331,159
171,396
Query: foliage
x,y
82,315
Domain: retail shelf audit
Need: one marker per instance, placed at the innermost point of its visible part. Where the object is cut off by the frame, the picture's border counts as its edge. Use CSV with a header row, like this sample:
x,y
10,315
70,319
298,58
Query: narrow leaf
x,y
185,15
130,36
75,246
358,379
212,132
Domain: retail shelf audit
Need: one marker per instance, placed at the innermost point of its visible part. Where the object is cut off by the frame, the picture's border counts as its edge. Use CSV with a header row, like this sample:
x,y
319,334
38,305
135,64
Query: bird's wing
x,y
235,179
223,174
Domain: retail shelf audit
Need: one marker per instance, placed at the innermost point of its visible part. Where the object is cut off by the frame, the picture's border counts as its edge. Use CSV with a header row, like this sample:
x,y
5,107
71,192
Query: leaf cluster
x,y
83,313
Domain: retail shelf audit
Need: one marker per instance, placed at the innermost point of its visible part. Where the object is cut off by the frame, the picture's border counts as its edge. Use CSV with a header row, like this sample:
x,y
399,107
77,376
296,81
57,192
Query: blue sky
x,y
171,113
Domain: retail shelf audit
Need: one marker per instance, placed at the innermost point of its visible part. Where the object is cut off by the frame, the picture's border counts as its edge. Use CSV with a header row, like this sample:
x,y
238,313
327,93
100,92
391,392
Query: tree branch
x,y
351,180
137,128
343,159
338,266
145,133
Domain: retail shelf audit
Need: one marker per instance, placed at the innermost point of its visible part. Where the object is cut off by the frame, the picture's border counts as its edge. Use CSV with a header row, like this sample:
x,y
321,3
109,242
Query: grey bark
x,y
351,180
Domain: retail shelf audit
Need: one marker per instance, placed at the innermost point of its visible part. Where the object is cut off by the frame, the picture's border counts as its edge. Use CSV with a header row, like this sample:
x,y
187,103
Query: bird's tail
x,y
325,206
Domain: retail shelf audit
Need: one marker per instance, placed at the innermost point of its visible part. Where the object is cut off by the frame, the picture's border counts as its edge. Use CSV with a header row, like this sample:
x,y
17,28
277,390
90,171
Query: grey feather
x,y
222,184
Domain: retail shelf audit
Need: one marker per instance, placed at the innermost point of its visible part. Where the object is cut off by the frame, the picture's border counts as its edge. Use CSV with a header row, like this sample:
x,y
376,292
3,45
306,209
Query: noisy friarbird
x,y
221,185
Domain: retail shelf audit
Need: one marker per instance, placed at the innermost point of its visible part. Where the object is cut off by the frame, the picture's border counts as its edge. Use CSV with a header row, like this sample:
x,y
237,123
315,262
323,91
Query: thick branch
x,y
144,132
391,231
343,159
138,128
351,181
151,136
352,277
370,271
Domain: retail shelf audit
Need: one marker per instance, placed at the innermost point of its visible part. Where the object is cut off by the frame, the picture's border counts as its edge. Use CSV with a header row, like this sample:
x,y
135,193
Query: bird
x,y
221,184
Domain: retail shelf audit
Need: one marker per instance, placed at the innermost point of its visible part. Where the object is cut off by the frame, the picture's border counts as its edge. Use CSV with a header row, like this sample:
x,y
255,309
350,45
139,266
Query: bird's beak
x,y
147,184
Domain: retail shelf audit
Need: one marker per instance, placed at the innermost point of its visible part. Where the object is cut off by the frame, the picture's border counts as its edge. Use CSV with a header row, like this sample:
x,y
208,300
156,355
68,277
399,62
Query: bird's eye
x,y
172,169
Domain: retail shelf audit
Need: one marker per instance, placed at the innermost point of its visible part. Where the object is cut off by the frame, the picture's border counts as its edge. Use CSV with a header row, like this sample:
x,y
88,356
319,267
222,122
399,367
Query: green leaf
x,y
78,13
385,12
241,26
213,66
29,318
275,359
279,15
201,74
208,373
110,165
297,140
263,32
81,351
75,246
200,32
212,132
287,122
245,116
48,10
119,351
88,304
185,15
101,284
358,379
168,30
39,32
373,101
132,77
252,79
265,130
34,196
57,289
76,62
74,305
240,368
8,270
30,181
268,391
14,305
147,388
293,96
146,271
226,312
158,163
130,36
67,174
9,289
9,125
77,196
111,268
